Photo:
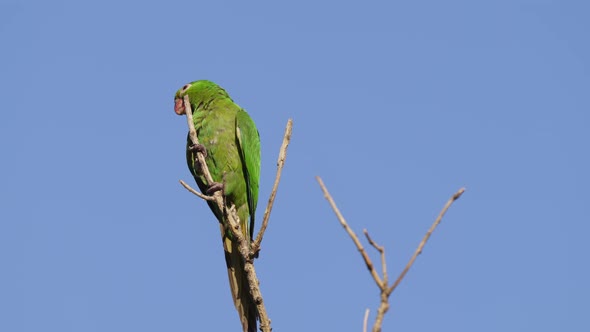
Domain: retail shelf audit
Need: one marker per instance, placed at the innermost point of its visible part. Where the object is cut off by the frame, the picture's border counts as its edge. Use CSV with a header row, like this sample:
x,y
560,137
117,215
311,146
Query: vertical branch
x,y
366,320
273,193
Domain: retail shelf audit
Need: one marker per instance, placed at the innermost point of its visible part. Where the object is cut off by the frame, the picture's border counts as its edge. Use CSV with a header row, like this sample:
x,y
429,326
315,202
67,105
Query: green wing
x,y
249,147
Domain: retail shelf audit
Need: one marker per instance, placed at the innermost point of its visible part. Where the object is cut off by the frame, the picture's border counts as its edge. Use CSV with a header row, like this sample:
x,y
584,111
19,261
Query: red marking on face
x,y
178,106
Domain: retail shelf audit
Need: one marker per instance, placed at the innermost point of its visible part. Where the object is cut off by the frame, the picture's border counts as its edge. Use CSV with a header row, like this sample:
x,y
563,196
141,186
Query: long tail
x,y
239,286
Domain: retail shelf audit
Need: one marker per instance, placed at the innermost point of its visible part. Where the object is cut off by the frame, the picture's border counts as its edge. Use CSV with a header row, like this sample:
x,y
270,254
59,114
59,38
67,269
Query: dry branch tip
x,y
280,164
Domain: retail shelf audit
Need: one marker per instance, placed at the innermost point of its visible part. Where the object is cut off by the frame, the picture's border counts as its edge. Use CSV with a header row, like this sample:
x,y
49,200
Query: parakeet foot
x,y
214,187
199,148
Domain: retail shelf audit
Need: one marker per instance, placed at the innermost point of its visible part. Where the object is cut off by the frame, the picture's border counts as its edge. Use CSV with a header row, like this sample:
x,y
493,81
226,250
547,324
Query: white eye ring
x,y
184,88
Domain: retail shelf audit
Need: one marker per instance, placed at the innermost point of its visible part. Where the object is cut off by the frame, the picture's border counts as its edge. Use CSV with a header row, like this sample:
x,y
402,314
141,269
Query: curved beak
x,y
179,106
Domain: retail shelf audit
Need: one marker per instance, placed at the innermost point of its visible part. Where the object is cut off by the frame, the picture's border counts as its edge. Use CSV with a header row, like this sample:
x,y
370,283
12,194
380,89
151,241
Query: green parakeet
x,y
232,153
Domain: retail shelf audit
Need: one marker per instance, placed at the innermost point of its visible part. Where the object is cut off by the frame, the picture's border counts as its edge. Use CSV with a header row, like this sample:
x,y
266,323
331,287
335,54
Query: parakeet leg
x,y
214,187
199,148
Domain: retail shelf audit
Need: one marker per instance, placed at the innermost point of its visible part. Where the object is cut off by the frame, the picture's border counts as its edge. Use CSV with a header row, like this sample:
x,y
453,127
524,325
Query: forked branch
x,y
382,282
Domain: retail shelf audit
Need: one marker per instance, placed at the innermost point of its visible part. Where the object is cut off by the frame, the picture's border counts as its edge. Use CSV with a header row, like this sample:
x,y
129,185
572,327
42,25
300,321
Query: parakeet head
x,y
198,92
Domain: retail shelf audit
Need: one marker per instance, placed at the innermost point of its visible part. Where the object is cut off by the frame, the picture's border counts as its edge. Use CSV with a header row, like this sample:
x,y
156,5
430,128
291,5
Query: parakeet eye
x,y
184,88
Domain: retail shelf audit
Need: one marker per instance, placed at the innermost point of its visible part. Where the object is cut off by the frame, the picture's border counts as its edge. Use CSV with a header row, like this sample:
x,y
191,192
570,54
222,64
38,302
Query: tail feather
x,y
239,286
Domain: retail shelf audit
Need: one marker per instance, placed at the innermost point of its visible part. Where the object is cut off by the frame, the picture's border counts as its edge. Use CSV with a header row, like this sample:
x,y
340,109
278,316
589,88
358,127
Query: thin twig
x,y
205,197
234,226
426,237
381,250
350,232
273,193
366,320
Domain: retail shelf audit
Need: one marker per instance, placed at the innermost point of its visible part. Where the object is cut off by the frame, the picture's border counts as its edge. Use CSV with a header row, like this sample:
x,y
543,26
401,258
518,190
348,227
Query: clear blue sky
x,y
395,105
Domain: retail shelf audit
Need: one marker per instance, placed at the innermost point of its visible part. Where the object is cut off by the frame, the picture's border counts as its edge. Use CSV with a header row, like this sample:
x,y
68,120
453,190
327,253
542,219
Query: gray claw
x,y
214,187
198,148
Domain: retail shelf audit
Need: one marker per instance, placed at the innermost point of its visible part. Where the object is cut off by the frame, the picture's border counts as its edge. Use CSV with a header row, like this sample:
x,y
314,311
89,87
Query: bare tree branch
x,y
383,307
366,320
382,252
275,187
205,197
234,225
426,237
385,291
350,232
